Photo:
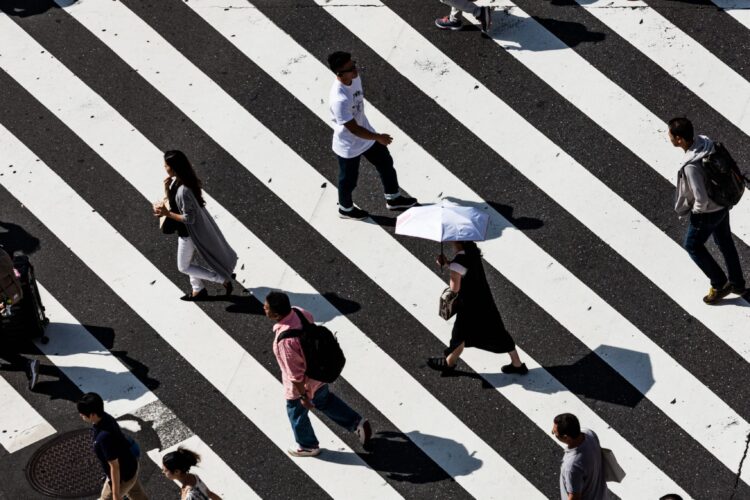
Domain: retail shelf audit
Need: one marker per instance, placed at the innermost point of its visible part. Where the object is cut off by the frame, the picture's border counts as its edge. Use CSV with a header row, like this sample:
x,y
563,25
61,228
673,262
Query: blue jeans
x,y
330,405
701,227
379,156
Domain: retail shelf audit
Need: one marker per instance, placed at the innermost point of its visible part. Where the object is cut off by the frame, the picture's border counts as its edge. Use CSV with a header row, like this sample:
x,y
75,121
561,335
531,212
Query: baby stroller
x,y
21,310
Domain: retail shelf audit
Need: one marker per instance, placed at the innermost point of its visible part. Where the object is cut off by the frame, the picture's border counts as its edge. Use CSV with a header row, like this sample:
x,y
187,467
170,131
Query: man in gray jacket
x,y
706,216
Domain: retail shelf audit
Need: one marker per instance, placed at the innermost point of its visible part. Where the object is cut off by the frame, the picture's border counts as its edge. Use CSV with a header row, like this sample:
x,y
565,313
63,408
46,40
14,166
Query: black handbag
x,y
449,303
167,225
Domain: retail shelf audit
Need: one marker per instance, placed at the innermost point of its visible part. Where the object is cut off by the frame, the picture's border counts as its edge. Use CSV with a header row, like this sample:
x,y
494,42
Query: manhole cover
x,y
66,467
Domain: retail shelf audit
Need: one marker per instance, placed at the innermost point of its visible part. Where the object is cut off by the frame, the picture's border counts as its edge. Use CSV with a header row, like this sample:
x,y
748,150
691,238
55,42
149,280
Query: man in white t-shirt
x,y
354,137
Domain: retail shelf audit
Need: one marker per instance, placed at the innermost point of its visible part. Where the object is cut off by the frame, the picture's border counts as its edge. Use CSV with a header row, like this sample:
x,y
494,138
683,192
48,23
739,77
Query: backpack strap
x,y
301,317
288,334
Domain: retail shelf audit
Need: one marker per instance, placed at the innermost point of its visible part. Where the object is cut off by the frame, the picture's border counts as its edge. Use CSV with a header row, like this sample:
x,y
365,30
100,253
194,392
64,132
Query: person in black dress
x,y
478,322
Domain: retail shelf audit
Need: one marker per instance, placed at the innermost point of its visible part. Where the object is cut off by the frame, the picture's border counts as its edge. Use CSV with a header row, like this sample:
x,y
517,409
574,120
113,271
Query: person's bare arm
x,y
361,132
574,496
455,282
114,475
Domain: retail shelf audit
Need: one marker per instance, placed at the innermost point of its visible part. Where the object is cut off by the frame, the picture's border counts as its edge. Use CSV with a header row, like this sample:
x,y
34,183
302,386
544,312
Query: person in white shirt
x,y
354,137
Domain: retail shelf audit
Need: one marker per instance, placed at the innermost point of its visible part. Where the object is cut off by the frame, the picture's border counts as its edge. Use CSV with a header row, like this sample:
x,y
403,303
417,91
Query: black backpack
x,y
724,180
323,355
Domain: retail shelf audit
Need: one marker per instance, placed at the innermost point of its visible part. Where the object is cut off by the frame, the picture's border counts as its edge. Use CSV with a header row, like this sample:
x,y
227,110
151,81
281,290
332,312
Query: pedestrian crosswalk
x,y
583,252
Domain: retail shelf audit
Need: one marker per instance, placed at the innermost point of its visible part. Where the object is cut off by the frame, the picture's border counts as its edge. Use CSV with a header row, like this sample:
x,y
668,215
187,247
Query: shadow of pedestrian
x,y
324,307
14,238
590,377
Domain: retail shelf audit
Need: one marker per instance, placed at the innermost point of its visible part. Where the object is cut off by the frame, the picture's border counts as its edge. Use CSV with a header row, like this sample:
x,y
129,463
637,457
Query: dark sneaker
x,y
353,213
400,202
298,451
446,23
440,364
520,370
485,20
33,373
364,432
715,295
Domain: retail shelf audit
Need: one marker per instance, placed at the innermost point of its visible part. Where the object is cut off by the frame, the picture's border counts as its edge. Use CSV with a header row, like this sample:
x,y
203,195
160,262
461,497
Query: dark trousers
x,y
701,227
379,156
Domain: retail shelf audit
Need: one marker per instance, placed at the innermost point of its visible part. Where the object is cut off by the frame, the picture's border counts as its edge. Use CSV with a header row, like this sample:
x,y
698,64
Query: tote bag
x,y
613,473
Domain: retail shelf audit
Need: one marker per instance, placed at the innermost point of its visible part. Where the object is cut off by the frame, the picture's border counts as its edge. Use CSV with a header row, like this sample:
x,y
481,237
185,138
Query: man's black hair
x,y
567,425
681,127
279,303
91,403
671,496
338,59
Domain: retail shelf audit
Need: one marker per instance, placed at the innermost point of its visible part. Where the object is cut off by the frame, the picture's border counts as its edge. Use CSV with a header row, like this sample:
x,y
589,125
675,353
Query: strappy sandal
x,y
229,286
440,364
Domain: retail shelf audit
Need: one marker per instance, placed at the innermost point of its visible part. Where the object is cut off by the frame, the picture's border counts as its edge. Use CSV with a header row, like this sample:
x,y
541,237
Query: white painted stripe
x,y
357,241
88,364
213,471
186,328
20,424
244,149
631,123
687,61
394,386
307,79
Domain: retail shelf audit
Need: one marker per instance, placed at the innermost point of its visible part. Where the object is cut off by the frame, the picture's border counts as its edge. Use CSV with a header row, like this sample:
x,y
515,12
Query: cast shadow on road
x,y
391,452
589,378
14,238
57,385
317,304
523,33
28,8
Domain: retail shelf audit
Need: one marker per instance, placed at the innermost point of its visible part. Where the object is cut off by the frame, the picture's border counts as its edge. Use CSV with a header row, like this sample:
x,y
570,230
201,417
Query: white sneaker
x,y
298,451
364,431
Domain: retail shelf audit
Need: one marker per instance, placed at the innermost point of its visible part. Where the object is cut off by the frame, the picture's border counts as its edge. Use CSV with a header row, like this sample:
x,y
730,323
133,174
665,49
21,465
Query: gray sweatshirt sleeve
x,y
187,205
697,185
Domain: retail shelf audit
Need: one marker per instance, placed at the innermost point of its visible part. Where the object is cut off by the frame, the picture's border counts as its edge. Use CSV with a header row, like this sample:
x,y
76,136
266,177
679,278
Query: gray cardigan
x,y
691,195
205,234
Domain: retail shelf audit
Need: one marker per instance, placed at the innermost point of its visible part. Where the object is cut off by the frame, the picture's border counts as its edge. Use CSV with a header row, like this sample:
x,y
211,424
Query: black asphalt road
x,y
407,469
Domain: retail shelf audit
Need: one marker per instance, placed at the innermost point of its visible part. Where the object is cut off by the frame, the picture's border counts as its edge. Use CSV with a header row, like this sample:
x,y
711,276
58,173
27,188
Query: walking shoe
x,y
364,431
715,295
485,19
520,370
400,202
189,297
353,213
440,364
446,23
298,451
33,373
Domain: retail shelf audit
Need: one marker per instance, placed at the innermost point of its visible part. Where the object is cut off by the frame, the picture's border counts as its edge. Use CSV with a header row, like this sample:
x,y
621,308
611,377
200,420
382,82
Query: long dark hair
x,y
181,460
184,172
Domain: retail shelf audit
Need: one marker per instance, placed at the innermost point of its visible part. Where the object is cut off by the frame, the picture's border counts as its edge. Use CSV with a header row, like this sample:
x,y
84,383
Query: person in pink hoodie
x,y
301,392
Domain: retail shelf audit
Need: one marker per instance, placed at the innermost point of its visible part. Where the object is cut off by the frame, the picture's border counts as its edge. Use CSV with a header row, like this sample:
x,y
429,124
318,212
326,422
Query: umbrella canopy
x,y
443,222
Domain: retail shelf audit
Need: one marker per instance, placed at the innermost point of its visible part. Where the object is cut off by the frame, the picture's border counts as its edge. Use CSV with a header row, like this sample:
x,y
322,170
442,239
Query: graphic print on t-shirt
x,y
347,102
